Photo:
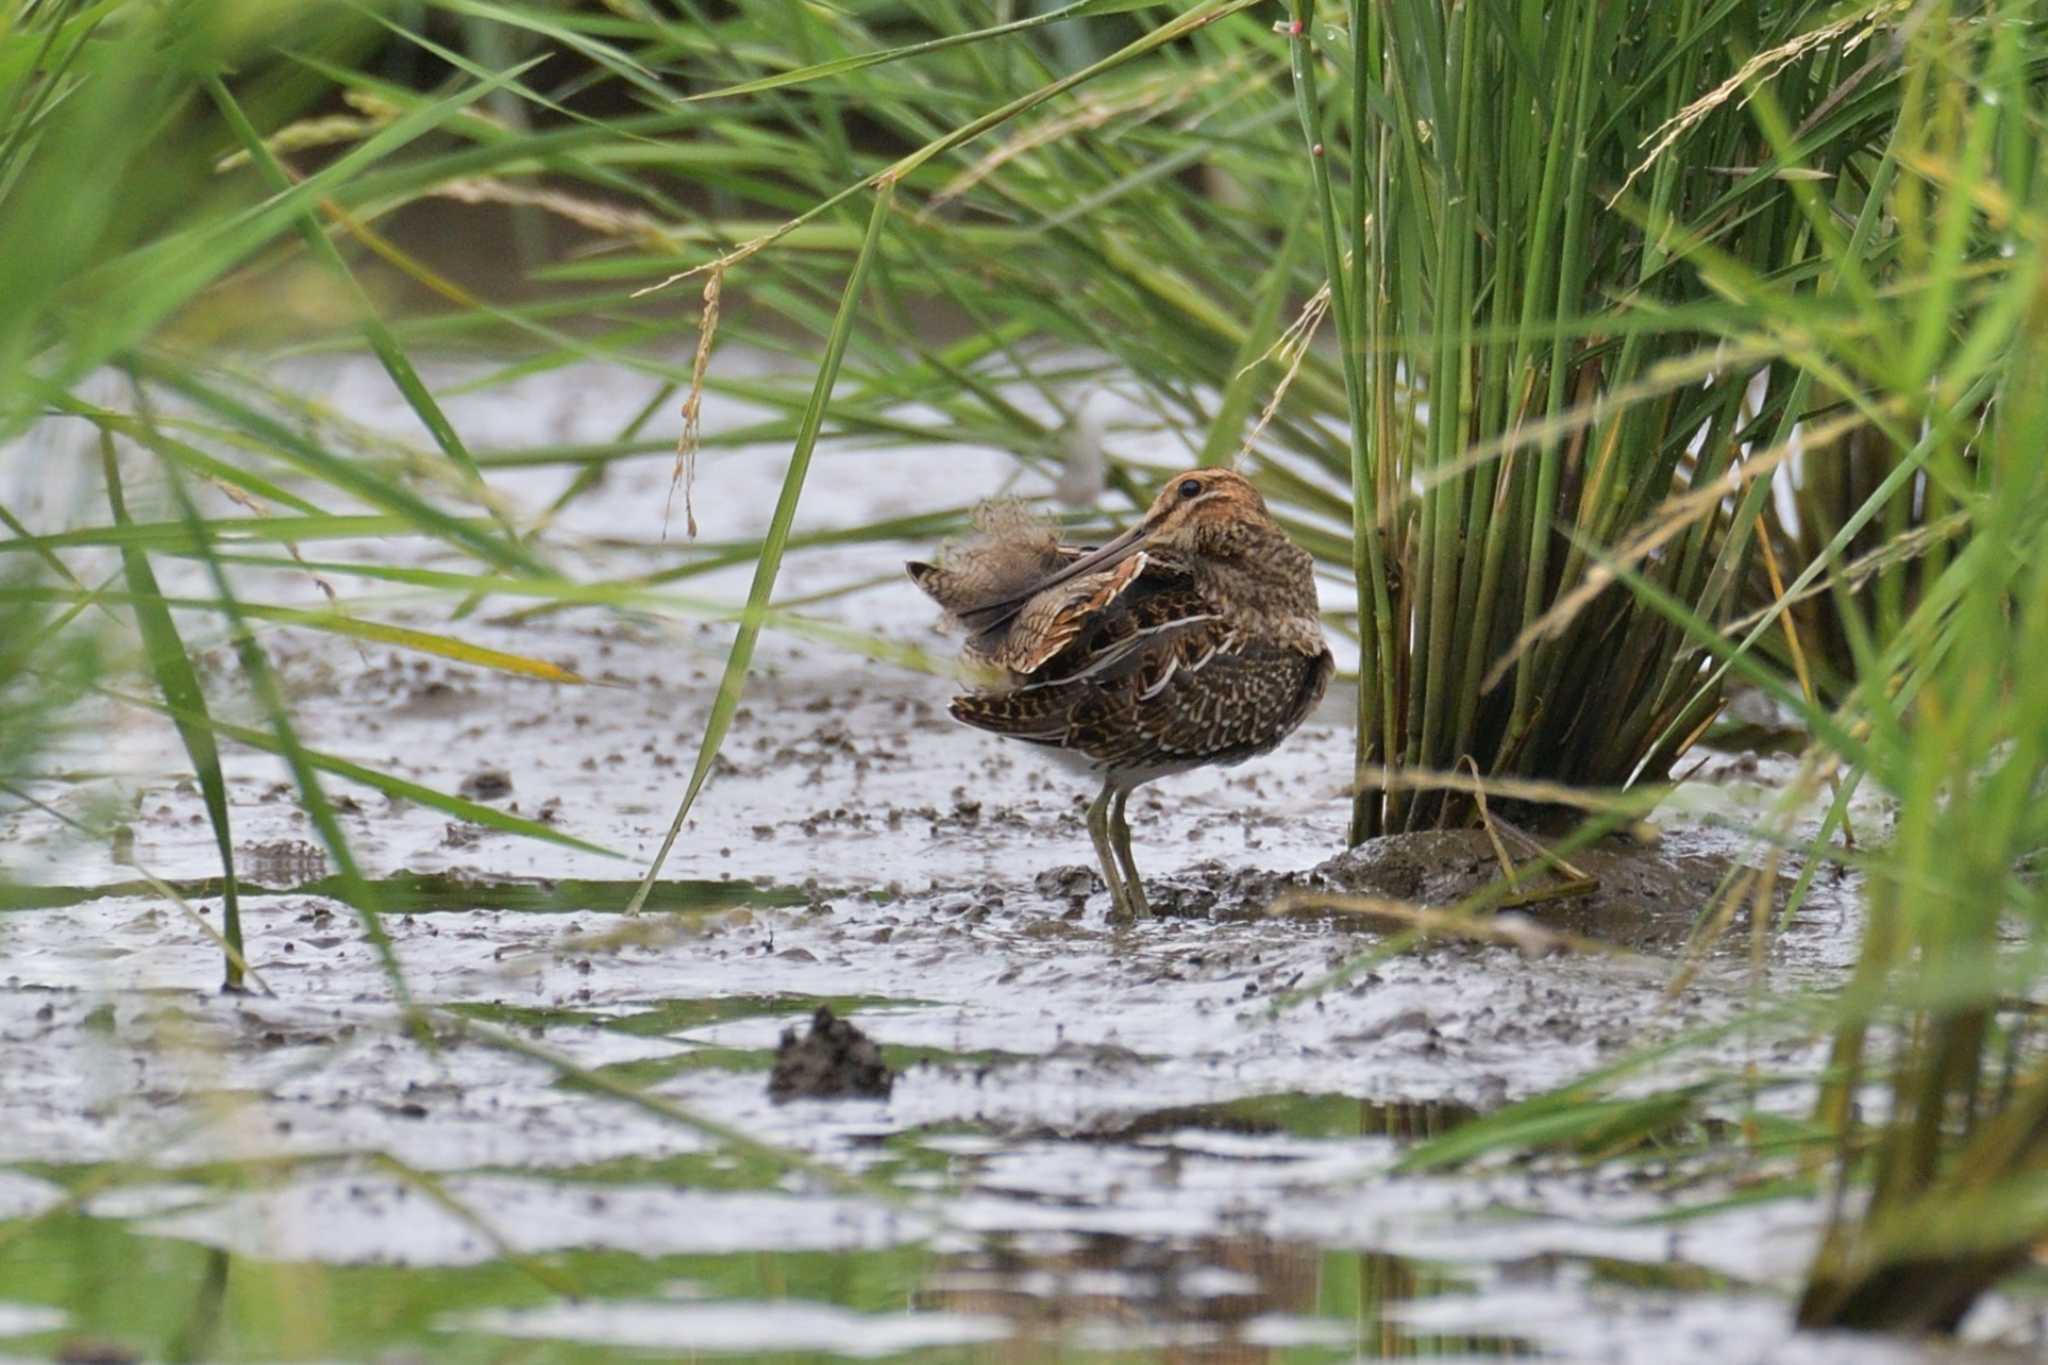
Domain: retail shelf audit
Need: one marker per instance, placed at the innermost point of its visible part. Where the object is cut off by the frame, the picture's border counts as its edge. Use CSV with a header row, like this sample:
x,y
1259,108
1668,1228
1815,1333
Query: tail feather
x,y
1016,715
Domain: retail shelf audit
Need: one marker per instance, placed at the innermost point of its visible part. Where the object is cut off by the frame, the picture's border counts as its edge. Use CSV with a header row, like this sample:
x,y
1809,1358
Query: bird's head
x,y
1195,511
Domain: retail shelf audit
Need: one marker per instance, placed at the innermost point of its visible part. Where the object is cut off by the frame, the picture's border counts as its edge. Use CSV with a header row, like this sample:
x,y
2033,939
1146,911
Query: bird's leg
x,y
1120,841
1098,830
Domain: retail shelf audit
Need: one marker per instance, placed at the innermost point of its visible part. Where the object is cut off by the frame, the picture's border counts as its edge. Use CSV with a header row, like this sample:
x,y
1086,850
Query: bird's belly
x,y
1075,761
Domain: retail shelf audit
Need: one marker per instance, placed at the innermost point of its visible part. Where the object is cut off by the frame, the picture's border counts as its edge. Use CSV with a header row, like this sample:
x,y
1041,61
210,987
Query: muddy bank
x,y
1640,894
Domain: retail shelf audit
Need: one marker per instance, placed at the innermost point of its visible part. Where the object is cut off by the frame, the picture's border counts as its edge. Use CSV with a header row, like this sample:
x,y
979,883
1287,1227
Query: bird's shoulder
x,y
1159,608
1048,624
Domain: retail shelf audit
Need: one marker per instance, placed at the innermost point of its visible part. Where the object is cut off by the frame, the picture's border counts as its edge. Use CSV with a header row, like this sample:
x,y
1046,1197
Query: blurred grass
x,y
186,703
1598,351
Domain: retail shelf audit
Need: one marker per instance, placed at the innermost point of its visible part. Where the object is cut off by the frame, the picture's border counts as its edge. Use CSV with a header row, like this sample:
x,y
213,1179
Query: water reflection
x,y
1304,1116
1226,1300
1088,1266
1222,1299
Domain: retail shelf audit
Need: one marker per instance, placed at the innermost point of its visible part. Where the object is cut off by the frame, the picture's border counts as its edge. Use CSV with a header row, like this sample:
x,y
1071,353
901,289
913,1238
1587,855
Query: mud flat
x,y
1136,1140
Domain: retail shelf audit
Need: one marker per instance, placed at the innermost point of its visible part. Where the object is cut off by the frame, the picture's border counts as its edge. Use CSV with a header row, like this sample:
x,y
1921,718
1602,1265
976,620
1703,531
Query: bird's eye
x,y
1190,488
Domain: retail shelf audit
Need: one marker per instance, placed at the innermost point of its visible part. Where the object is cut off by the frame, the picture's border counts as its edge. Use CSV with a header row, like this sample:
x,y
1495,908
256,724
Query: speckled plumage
x,y
1191,640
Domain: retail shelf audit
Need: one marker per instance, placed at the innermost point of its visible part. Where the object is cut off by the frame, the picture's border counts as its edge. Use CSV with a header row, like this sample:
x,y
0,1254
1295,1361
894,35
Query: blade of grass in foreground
x,y
344,474
312,797
736,664
334,622
118,302
186,701
1374,694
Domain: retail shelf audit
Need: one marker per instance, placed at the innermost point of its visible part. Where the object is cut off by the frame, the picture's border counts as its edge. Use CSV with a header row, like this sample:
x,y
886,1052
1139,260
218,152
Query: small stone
x,y
486,784
1070,882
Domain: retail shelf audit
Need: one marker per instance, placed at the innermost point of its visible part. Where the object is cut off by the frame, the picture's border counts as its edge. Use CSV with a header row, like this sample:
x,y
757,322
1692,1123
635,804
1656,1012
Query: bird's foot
x,y
1127,901
1134,900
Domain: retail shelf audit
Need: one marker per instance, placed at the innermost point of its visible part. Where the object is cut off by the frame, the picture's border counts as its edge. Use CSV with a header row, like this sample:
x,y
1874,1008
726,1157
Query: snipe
x,y
1191,639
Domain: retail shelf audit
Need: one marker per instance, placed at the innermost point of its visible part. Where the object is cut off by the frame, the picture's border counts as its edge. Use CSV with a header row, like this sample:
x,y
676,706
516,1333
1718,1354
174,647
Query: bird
x,y
1192,639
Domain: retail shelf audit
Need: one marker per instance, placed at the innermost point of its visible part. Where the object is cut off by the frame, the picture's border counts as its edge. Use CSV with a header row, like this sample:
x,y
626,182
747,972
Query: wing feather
x,y
1140,670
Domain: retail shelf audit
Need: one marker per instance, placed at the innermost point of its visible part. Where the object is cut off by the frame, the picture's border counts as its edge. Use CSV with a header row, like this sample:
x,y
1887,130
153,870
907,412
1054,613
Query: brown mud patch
x,y
834,1061
1645,896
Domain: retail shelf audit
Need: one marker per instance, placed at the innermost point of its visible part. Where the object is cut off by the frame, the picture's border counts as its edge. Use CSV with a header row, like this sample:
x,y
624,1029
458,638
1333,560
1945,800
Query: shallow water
x,y
1100,1142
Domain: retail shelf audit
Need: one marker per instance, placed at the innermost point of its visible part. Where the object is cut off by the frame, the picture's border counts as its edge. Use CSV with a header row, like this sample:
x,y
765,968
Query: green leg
x,y
1098,830
1120,842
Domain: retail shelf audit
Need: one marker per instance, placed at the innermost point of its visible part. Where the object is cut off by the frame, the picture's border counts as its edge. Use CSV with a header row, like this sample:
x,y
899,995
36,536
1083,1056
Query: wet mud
x,y
1180,1136
1639,894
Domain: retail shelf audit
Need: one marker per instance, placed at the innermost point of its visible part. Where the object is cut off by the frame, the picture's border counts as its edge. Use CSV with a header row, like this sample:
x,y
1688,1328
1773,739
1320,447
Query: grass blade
x,y
734,682
842,66
397,788
343,473
312,796
186,702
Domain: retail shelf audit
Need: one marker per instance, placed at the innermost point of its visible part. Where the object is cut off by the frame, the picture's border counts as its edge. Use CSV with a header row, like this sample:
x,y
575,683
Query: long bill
x,y
991,614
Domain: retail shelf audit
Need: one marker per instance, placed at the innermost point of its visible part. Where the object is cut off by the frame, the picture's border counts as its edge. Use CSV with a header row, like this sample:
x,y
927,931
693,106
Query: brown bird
x,y
1191,639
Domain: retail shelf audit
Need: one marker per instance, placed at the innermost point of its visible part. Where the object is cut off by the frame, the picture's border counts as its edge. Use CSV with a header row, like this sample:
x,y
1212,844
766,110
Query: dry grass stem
x,y
606,219
1635,801
376,112
1855,576
304,135
1818,766
1500,853
185,908
1799,664
1292,343
1509,931
720,264
691,439
1576,883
